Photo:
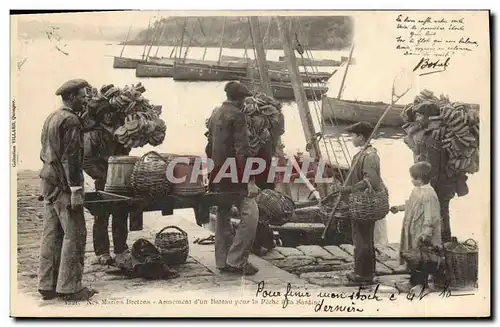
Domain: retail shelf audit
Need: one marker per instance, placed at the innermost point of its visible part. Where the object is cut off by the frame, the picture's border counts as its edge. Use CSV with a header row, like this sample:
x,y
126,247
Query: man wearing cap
x,y
64,232
228,140
99,145
366,173
426,148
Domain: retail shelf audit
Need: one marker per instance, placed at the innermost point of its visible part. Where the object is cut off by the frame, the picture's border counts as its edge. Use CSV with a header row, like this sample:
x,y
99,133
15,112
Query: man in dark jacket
x,y
99,145
228,141
64,232
366,173
426,148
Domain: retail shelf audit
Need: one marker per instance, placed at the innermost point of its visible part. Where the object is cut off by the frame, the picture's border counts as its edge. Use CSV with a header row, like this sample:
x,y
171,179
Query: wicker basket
x,y
274,207
340,231
369,205
149,177
173,246
461,264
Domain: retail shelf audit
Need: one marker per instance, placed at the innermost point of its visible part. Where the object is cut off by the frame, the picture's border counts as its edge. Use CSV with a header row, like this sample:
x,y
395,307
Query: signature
x,y
432,66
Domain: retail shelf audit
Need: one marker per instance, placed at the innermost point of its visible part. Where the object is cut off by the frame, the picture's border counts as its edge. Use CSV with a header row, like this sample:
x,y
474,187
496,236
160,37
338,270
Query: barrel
x,y
119,171
185,169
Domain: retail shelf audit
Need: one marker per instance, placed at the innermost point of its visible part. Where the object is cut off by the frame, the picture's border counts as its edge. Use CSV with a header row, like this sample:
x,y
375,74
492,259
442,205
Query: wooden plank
x,y
299,226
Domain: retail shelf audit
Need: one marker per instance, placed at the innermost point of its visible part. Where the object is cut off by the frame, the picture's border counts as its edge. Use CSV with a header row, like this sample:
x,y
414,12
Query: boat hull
x,y
126,63
154,70
315,62
284,76
284,91
274,65
198,72
356,111
233,58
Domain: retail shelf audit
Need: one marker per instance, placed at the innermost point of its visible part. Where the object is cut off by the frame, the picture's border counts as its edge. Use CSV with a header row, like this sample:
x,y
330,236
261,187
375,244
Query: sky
x,y
109,18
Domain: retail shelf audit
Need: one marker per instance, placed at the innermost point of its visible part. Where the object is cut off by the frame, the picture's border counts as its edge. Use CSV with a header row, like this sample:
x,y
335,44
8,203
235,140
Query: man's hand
x,y
424,239
99,184
316,195
77,196
342,189
345,189
252,189
394,209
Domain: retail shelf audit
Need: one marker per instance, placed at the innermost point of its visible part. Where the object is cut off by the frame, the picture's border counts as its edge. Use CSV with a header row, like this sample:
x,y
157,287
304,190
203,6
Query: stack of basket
x,y
149,176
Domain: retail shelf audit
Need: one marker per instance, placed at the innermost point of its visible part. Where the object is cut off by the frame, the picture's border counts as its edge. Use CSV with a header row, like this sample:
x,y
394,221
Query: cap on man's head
x,y
362,128
428,109
237,91
72,85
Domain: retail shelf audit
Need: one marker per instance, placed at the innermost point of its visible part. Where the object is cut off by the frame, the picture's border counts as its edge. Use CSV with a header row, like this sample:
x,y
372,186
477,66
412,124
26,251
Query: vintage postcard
x,y
250,164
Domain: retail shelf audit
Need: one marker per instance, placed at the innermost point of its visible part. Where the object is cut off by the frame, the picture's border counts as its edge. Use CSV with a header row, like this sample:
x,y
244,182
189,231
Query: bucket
x,y
185,169
119,171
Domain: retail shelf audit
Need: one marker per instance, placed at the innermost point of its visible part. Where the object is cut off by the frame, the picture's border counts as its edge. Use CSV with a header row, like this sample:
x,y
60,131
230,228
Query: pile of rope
x,y
456,128
135,120
264,119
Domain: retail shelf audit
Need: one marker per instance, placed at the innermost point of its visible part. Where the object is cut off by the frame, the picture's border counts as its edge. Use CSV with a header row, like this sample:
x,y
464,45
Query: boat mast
x,y
159,40
175,47
345,72
153,39
298,88
190,41
182,38
203,33
146,43
267,36
126,40
261,55
222,40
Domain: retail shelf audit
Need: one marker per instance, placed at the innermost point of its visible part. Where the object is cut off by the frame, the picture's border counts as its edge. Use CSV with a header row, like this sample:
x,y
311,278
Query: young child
x,y
422,220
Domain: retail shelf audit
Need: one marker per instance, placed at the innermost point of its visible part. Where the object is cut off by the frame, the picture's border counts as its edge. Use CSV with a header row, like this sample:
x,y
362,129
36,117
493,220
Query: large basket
x,y
149,177
274,207
369,205
173,246
461,264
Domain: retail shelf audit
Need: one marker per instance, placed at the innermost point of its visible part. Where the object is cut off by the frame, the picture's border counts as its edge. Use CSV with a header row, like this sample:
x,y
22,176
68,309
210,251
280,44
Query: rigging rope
x,y
300,50
331,118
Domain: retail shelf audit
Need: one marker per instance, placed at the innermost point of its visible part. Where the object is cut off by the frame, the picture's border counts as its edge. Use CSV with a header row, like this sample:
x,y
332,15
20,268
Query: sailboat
x,y
316,62
189,70
125,62
132,63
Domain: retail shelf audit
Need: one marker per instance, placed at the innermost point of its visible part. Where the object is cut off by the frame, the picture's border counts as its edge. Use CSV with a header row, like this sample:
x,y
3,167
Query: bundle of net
x,y
137,120
456,128
263,117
